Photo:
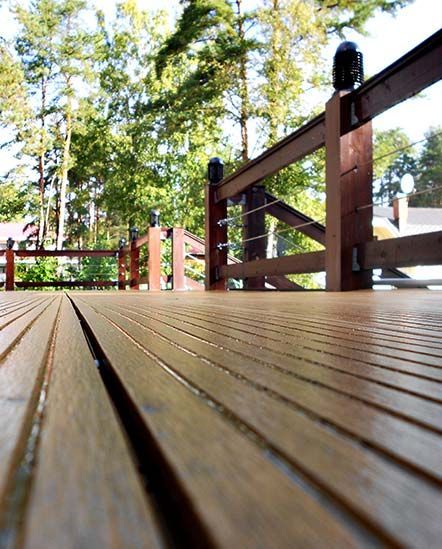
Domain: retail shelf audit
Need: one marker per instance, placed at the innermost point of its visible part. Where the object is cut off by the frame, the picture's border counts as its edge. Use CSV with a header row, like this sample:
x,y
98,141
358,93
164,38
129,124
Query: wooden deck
x,y
214,419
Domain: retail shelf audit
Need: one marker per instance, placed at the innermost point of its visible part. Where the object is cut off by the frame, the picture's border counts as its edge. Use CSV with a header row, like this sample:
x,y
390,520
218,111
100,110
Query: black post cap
x,y
348,67
216,170
134,233
154,218
122,242
10,243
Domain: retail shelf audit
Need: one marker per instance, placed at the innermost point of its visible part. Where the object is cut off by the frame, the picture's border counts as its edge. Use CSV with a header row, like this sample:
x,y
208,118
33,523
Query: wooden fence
x,y
345,130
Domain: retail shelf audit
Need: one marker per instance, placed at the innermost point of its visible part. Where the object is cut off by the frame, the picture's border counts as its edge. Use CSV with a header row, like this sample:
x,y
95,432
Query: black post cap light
x,y
10,243
216,170
122,242
155,218
348,67
134,233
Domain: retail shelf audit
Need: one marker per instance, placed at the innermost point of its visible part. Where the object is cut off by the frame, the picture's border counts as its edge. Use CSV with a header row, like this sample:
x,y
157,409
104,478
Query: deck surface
x,y
228,419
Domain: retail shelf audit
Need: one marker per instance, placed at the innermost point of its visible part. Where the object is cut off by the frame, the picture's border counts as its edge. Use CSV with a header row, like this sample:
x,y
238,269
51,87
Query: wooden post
x,y
9,285
349,174
178,279
255,226
216,235
134,265
121,269
154,261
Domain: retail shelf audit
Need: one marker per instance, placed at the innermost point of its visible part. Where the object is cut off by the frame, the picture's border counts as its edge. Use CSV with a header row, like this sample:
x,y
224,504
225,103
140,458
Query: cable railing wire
x,y
389,153
235,245
227,220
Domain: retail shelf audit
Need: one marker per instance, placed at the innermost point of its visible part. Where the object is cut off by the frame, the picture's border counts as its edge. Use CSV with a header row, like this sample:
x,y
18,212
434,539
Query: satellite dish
x,y
407,183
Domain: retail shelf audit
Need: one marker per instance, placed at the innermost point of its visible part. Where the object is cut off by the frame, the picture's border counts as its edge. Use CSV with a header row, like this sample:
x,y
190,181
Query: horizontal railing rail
x,y
344,128
409,75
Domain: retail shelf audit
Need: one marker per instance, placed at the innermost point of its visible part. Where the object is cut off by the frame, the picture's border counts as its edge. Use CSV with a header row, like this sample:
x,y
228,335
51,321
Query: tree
x,y
430,171
394,157
54,53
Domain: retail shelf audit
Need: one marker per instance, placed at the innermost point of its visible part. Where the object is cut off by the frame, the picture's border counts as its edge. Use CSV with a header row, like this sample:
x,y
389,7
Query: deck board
x,y
260,420
83,461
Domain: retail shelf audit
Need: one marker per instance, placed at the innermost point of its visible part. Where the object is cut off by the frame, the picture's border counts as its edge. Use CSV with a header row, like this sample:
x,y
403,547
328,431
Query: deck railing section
x,y
344,129
129,260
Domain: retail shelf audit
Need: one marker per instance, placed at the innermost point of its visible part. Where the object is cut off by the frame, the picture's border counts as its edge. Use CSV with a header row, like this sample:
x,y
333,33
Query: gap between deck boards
x,y
180,524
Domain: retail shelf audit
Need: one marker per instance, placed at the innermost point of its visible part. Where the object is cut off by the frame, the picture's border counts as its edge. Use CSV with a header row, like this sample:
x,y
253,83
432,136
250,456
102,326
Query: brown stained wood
x,y
178,278
198,244
9,271
254,226
193,285
281,282
293,218
406,251
134,266
13,331
215,236
154,260
413,72
86,491
17,309
347,189
300,143
68,284
408,406
66,253
122,258
380,491
21,377
142,240
312,262
217,466
407,442
425,363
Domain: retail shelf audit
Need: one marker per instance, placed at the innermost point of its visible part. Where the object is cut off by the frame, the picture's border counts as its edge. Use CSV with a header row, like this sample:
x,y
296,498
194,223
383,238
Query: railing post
x,y
178,278
121,264
255,226
349,171
154,261
9,284
216,234
134,260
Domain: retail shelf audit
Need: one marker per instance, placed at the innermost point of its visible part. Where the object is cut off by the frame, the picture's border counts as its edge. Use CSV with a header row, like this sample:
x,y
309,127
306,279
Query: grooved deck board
x,y
314,382
240,492
21,376
67,478
271,419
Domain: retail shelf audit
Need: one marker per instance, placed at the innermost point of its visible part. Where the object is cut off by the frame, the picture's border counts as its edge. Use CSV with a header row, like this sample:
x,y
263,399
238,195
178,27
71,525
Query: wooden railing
x,y
11,283
185,248
344,129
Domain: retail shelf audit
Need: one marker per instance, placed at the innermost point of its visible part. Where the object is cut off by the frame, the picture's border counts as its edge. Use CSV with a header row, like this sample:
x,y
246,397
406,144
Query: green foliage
x,y
12,202
115,118
43,270
430,171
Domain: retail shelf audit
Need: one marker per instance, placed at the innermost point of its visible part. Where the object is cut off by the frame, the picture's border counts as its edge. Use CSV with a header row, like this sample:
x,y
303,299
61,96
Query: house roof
x,y
420,220
18,231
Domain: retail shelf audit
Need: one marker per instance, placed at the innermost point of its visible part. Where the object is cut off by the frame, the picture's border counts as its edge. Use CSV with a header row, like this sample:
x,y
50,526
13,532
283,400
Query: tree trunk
x,y
41,170
243,89
64,173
